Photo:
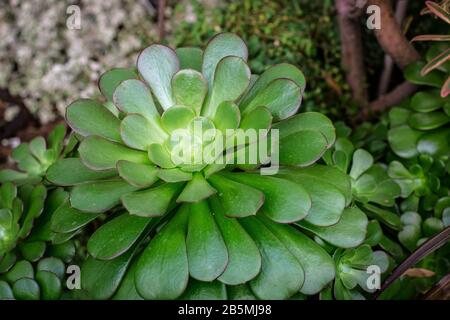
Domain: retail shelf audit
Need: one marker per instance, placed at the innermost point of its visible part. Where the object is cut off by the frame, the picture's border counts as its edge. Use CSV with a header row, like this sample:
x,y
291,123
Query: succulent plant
x,y
351,271
437,59
239,227
34,158
32,260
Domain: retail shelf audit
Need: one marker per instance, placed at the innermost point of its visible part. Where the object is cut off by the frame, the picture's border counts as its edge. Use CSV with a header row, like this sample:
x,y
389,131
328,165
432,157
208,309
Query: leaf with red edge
x,y
436,62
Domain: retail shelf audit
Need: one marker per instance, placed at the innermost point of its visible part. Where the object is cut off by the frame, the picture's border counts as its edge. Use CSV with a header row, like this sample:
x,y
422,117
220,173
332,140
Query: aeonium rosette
x,y
173,157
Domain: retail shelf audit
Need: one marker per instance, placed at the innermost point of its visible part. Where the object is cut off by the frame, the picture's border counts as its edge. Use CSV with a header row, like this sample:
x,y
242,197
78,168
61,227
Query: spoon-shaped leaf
x,y
127,289
206,250
284,200
100,154
67,219
227,116
137,174
109,80
88,117
101,278
429,120
162,269
240,292
220,46
189,89
99,196
133,96
282,97
413,74
159,155
403,141
398,116
316,262
282,70
196,189
138,133
281,274
238,200
199,290
50,285
302,148
6,292
177,117
244,259
72,171
26,289
435,143
52,264
426,101
349,232
307,121
259,118
152,202
116,236
22,269
362,160
328,202
157,64
174,175
231,79
190,58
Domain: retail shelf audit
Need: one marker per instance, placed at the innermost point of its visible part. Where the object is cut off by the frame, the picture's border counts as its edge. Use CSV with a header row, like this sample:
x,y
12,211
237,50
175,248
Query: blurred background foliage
x,y
45,65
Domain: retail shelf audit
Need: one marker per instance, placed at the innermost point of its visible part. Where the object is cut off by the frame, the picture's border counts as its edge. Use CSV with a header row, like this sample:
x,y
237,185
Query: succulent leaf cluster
x,y
32,257
177,230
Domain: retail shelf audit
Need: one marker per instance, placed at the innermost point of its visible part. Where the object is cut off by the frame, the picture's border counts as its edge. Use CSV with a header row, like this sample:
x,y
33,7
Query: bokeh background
x,y
44,65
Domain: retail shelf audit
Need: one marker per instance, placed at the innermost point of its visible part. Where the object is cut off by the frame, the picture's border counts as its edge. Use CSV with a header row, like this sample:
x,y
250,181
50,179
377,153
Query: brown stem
x,y
396,96
391,38
385,78
161,28
352,49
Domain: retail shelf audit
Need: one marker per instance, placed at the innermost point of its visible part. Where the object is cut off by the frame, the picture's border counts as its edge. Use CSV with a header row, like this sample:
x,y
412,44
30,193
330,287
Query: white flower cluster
x,y
48,65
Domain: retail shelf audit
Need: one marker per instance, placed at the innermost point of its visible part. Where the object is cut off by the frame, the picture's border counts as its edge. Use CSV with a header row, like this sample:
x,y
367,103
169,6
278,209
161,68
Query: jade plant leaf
x,y
49,284
190,58
137,174
244,259
284,201
219,47
189,88
349,232
152,202
238,200
162,269
282,97
157,64
198,290
72,171
99,196
403,141
116,236
196,189
206,250
281,273
137,132
316,262
112,78
133,96
100,154
88,117
101,278
231,78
